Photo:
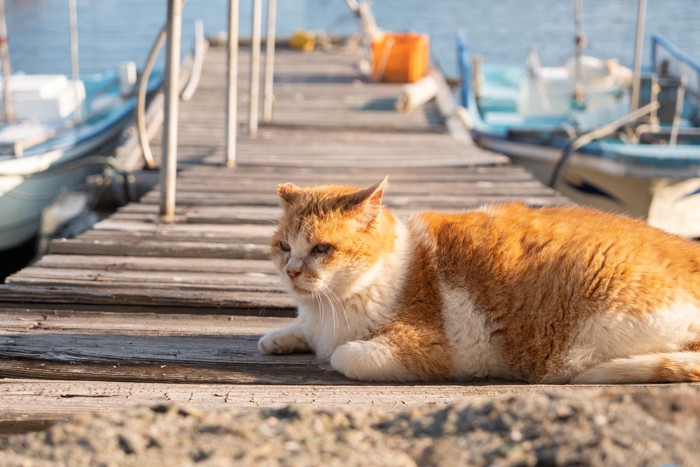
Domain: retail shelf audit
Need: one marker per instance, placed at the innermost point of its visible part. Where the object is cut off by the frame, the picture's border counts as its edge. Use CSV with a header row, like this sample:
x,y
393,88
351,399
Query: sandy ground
x,y
616,427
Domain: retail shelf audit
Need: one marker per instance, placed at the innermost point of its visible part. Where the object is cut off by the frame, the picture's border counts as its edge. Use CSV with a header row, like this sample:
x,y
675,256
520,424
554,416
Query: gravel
x,y
614,427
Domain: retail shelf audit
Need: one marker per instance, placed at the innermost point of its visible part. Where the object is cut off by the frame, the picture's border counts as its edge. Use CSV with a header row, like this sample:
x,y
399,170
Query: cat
x,y
541,295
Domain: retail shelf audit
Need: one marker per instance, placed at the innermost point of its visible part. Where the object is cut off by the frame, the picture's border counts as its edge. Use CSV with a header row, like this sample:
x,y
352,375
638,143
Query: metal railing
x,y
599,133
173,38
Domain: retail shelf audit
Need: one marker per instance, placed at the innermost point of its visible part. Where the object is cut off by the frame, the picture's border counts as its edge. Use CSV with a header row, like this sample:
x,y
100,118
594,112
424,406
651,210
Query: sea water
x,y
111,31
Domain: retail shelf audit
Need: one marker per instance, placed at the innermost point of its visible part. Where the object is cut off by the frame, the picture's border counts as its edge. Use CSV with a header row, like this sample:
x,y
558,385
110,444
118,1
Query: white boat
x,y
51,127
44,153
596,150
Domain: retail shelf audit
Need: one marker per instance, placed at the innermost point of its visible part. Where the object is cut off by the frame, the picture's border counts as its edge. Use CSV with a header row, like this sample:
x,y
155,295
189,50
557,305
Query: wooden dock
x,y
137,311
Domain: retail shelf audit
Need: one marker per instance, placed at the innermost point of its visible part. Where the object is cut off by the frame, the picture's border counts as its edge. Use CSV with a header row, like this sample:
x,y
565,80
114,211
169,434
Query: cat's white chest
x,y
328,325
474,356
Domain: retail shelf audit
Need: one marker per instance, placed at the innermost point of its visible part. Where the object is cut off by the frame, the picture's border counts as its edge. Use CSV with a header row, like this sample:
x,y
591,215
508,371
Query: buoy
x,y
303,40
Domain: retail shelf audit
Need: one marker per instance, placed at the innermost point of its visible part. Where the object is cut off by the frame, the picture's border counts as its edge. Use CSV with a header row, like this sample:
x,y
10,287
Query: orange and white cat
x,y
548,295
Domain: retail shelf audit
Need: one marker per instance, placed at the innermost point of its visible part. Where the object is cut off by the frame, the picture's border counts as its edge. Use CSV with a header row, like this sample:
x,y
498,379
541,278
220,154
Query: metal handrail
x,y
600,132
197,62
185,95
141,99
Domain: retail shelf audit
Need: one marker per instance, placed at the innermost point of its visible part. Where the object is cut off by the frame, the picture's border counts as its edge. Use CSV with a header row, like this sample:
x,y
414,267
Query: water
x,y
111,31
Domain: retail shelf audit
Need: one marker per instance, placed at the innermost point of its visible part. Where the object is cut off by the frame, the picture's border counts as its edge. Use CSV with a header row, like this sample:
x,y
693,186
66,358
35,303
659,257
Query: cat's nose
x,y
292,272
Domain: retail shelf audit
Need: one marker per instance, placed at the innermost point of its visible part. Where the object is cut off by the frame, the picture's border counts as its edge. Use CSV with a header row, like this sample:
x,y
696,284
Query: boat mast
x,y
638,47
74,63
6,67
579,42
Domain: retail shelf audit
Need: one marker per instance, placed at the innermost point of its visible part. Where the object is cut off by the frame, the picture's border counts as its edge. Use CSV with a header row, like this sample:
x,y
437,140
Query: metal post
x,y
232,84
680,100
168,169
6,67
74,60
255,69
141,98
580,42
638,47
270,61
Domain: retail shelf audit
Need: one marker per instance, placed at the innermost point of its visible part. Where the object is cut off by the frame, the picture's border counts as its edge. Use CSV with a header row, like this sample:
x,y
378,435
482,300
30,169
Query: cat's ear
x,y
288,192
370,201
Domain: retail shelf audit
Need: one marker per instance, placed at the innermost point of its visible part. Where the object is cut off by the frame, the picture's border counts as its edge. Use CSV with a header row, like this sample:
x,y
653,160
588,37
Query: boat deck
x,y
137,311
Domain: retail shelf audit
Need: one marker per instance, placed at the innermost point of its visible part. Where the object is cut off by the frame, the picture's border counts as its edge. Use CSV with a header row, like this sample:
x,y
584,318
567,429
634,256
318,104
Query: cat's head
x,y
329,237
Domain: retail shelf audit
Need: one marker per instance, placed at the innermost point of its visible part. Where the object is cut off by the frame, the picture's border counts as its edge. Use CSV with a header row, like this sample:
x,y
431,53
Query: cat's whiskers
x,y
334,298
324,291
317,296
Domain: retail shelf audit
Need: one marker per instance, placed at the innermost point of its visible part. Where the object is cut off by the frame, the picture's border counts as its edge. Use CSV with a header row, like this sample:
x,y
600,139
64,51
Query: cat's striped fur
x,y
557,294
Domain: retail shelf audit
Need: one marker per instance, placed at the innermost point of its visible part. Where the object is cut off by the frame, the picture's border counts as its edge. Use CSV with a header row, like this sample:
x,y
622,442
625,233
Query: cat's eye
x,y
321,249
284,246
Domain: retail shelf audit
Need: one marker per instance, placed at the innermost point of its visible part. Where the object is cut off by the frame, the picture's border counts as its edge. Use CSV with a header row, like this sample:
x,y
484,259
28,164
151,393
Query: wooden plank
x,y
354,175
265,303
475,195
238,214
214,215
254,281
30,404
534,198
226,188
116,349
272,171
319,176
94,320
30,400
144,263
289,372
157,247
63,346
240,231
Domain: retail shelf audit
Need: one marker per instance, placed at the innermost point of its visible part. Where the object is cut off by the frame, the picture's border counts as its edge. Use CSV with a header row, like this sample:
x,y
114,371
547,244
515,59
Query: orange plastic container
x,y
400,57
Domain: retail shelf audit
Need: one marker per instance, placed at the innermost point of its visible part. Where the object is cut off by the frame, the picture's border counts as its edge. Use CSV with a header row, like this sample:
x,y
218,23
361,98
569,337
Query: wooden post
x,y
232,84
168,169
255,70
270,61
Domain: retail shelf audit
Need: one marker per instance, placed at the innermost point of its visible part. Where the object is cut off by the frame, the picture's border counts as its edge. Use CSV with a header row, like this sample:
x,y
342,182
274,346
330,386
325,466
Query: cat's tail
x,y
651,368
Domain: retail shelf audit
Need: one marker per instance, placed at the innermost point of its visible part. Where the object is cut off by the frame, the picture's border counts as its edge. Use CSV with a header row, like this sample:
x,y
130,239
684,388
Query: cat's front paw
x,y
371,360
283,341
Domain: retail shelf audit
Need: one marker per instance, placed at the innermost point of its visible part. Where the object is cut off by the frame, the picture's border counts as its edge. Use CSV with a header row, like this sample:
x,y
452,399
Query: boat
x,y
578,128
51,128
46,153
